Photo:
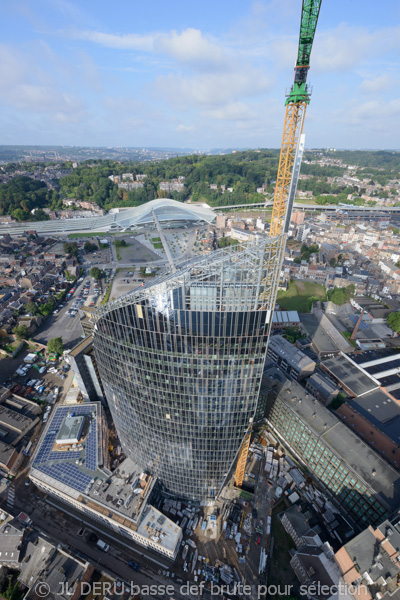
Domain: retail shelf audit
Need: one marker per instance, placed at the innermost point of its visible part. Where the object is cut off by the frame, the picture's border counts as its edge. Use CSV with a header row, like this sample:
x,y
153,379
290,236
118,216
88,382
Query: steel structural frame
x,y
293,128
262,257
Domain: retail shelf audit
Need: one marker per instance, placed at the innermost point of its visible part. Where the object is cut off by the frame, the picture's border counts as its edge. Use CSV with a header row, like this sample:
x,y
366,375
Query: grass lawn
x,y
157,245
81,235
299,294
156,239
305,201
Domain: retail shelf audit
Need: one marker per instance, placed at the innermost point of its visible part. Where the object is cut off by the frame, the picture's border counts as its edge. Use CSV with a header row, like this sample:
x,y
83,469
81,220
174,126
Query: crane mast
x,y
296,105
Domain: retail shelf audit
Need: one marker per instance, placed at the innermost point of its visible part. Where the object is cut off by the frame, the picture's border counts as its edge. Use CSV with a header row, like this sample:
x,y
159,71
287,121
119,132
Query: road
x,y
62,523
62,325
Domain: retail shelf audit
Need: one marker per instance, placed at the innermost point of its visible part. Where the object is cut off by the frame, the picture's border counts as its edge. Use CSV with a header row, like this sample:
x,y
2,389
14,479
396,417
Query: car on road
x,y
103,546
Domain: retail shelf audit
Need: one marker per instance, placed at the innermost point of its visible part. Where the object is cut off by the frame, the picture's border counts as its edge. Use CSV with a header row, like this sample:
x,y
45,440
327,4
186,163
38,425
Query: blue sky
x,y
195,74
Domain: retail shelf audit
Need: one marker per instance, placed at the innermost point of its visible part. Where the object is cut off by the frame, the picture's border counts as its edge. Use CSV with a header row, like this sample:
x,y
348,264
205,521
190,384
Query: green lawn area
x,y
157,245
81,235
300,296
156,239
304,201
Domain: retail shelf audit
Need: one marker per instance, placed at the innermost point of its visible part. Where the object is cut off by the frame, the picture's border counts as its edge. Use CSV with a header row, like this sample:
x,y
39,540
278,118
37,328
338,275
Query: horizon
x,y
198,149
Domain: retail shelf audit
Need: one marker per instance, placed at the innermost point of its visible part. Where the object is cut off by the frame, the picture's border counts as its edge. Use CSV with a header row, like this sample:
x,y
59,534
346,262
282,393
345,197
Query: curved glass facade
x,y
181,362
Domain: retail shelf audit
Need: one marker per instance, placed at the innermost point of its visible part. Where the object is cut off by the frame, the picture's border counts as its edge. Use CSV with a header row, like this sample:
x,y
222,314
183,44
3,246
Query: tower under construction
x,y
181,361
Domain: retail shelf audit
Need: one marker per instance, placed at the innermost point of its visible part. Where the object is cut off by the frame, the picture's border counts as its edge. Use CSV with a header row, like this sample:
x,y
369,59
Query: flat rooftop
x,y
70,429
366,464
124,491
76,466
157,527
381,411
6,453
350,375
83,345
13,420
22,405
77,470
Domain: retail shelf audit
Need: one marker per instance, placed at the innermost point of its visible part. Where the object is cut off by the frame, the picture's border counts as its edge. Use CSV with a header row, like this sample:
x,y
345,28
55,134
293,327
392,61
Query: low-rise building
x,y
322,388
297,526
83,364
353,379
359,480
371,561
289,358
72,464
285,318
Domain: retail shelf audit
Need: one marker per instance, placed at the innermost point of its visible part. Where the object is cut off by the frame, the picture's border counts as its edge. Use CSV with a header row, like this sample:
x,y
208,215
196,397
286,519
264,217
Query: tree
x,y
55,346
338,401
31,308
96,273
393,321
227,241
21,331
90,247
40,215
71,248
120,243
341,295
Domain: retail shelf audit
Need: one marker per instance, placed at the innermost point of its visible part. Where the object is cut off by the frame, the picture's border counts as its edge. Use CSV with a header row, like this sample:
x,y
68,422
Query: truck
x,y
103,546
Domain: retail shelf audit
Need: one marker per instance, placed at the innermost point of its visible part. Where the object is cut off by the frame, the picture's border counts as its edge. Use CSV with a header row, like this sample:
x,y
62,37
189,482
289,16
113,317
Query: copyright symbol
x,y
42,589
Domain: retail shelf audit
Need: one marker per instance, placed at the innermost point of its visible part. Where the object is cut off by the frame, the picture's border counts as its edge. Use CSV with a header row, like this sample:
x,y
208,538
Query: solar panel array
x,y
45,449
71,455
69,474
64,469
91,448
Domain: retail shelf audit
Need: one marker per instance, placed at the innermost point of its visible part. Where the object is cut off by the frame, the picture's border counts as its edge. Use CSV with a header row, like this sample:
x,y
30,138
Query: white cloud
x,y
189,47
192,48
234,111
378,84
89,72
184,128
346,46
211,89
23,86
341,48
129,41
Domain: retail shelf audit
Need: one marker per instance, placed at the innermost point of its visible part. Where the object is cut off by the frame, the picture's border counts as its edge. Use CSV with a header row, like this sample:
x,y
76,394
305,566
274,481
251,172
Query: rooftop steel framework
x,y
254,267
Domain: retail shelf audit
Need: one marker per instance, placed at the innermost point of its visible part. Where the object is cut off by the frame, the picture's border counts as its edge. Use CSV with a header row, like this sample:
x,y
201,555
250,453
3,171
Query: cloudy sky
x,y
195,74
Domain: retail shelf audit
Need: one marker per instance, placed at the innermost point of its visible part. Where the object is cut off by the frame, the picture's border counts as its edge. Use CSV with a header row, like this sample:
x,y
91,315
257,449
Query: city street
x,y
62,325
63,527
